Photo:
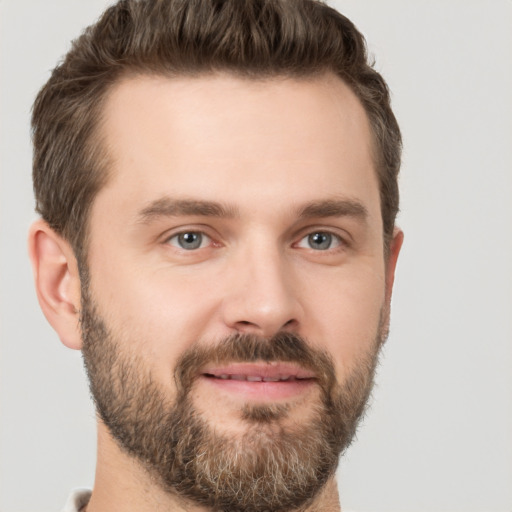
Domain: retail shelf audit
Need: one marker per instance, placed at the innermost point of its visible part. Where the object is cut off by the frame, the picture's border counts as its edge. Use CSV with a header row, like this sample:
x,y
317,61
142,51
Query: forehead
x,y
221,137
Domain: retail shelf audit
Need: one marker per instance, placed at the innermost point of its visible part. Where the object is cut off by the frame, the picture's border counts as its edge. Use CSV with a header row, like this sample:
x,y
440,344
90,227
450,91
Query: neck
x,y
122,484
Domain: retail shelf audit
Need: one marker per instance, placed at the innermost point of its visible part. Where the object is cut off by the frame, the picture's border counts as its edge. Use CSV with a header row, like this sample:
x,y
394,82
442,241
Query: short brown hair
x,y
253,38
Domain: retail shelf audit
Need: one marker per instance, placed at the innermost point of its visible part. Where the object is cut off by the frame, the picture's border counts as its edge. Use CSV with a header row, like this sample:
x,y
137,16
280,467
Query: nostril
x,y
291,324
267,330
245,326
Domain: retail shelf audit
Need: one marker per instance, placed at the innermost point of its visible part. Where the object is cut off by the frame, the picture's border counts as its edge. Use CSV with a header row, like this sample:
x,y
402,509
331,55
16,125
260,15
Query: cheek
x,y
152,312
347,313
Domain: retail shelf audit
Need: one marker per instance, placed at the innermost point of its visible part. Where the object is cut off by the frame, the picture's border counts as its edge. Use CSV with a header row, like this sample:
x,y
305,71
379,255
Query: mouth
x,y
263,382
255,378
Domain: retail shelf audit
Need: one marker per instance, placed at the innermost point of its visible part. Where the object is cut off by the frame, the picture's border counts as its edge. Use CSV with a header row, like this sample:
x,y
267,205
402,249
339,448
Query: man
x,y
217,182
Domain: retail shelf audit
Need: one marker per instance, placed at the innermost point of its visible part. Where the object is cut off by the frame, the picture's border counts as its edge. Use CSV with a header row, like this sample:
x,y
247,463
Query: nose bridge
x,y
261,298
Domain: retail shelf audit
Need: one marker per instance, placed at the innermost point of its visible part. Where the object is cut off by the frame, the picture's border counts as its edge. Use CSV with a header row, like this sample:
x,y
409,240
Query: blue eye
x,y
190,240
320,241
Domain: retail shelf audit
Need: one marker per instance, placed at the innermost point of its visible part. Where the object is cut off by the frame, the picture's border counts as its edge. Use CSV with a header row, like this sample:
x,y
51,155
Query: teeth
x,y
271,379
238,377
224,377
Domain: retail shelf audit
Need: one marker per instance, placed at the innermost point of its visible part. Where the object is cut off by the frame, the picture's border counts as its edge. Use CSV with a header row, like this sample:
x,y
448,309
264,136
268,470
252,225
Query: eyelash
x,y
196,232
333,238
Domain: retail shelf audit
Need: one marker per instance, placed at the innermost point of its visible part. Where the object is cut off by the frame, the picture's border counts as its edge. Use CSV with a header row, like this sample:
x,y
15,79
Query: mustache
x,y
239,348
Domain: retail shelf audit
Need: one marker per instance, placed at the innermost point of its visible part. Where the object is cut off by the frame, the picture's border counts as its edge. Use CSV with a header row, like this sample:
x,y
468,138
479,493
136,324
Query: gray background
x,y
439,434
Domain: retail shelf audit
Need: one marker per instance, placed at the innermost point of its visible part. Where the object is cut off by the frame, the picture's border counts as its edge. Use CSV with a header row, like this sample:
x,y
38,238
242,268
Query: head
x,y
218,188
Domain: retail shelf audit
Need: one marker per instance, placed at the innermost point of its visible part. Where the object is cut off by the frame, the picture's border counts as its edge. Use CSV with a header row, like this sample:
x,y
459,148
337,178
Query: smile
x,y
262,382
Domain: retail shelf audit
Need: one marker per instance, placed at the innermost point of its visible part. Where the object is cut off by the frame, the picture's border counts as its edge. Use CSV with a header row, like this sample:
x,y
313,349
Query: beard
x,y
273,466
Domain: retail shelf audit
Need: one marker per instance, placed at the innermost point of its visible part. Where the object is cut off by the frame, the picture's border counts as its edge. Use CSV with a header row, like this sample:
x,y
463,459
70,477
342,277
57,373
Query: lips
x,y
255,378
263,372
261,382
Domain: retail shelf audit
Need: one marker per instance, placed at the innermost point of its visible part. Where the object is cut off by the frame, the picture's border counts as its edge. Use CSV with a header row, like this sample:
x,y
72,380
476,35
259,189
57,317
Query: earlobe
x,y
57,282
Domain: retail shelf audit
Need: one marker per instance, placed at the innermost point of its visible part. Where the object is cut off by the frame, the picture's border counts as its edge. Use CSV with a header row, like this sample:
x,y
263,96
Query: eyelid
x,y
343,238
338,242
175,232
205,241
341,235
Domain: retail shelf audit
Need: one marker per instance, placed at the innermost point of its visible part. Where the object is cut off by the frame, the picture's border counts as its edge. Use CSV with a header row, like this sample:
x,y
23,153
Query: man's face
x,y
238,212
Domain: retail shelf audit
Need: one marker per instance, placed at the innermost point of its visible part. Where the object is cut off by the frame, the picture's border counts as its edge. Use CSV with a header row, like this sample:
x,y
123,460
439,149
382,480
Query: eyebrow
x,y
168,207
334,208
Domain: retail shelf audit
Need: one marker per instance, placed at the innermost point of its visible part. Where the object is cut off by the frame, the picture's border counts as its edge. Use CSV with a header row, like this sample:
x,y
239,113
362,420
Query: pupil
x,y
320,240
190,240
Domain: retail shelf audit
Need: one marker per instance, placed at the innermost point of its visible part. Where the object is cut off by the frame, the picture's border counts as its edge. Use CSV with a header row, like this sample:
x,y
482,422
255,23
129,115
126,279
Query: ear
x,y
394,250
57,282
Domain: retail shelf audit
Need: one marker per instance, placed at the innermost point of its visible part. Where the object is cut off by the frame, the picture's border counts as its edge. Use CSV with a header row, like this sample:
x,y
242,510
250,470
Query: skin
x,y
265,150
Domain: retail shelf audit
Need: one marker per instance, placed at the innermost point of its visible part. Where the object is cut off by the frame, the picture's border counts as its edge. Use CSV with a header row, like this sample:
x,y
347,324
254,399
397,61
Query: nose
x,y
261,294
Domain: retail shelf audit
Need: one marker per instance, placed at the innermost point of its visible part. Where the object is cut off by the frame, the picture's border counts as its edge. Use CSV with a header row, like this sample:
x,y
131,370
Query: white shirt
x,y
77,500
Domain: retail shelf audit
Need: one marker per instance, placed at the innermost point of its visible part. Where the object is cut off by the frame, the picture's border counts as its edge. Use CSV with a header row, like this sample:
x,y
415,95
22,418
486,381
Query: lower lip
x,y
261,391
